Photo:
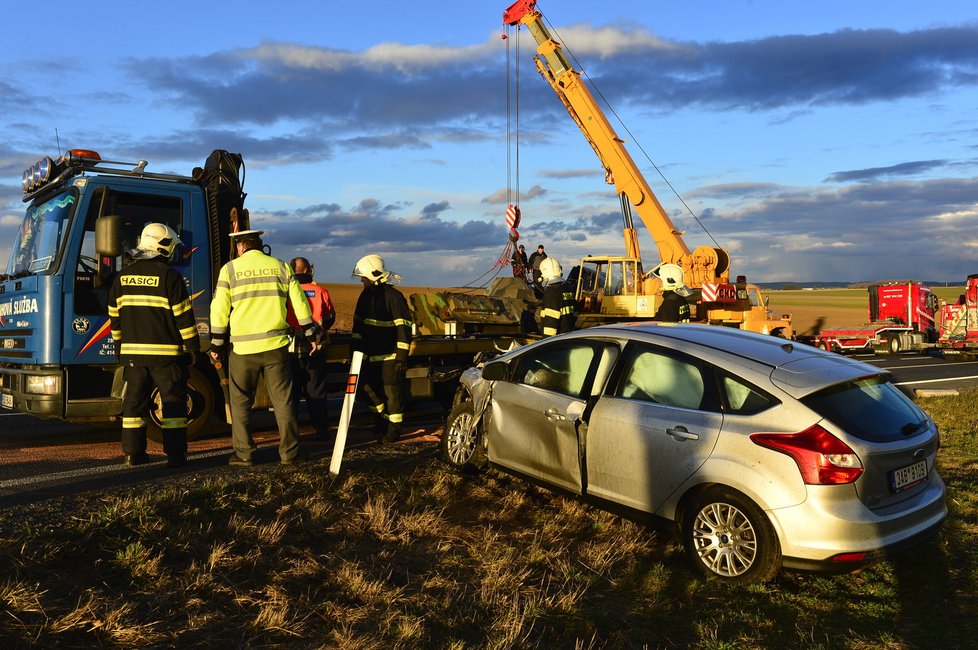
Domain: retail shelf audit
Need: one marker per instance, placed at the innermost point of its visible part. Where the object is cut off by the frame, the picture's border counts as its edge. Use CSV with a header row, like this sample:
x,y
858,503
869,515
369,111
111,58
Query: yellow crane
x,y
615,288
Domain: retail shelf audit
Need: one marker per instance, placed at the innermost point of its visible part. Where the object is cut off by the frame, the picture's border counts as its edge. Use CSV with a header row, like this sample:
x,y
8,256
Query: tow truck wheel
x,y
200,408
894,345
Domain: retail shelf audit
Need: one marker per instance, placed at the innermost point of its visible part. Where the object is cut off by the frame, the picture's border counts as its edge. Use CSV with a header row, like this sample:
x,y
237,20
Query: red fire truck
x,y
959,333
901,317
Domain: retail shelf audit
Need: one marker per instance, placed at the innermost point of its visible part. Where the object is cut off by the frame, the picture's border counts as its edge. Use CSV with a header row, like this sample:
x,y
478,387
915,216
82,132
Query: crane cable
x,y
630,135
506,253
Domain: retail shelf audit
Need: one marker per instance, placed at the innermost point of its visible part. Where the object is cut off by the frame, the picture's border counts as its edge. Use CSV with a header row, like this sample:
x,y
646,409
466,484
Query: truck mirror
x,y
108,236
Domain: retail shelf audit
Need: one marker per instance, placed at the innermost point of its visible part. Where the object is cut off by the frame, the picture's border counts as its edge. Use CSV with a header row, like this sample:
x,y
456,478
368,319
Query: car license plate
x,y
7,401
907,477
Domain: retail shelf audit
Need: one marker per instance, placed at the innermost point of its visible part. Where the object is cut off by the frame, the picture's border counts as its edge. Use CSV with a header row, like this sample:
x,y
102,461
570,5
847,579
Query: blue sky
x,y
834,141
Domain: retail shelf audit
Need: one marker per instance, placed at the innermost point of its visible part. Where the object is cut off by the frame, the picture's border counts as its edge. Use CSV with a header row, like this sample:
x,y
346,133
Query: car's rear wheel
x,y
727,536
462,445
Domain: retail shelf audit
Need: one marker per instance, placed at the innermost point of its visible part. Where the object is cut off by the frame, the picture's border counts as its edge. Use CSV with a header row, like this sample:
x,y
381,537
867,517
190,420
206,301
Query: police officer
x,y
249,312
674,307
308,367
382,331
153,326
557,314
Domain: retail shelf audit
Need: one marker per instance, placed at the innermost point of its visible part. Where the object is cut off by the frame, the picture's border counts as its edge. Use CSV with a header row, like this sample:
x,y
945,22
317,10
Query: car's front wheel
x,y
462,445
727,536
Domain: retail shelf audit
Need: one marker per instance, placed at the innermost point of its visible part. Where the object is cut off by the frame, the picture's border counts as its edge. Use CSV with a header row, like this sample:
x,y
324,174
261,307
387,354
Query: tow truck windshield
x,y
41,235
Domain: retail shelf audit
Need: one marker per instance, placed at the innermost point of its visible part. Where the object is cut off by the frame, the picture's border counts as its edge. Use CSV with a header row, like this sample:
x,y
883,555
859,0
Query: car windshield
x,y
39,237
871,409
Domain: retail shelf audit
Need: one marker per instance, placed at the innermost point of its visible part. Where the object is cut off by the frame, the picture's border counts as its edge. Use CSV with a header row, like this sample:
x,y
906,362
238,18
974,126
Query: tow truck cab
x,y
57,357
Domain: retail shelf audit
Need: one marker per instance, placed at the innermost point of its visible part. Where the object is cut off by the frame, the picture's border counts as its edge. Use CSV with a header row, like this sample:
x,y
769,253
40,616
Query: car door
x,y
654,426
533,423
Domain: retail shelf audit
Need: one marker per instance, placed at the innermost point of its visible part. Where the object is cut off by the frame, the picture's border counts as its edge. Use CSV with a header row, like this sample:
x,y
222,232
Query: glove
x,y
218,355
400,368
194,355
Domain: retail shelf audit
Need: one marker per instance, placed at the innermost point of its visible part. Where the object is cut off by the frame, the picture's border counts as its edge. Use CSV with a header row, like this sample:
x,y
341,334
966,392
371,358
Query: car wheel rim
x,y
461,439
724,539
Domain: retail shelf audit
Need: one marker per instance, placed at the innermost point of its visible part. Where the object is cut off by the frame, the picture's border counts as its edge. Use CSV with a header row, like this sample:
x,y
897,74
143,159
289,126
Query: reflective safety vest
x,y
250,304
151,318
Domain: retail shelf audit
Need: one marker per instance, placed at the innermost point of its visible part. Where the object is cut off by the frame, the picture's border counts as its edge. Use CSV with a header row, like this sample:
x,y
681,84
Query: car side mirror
x,y
495,371
108,236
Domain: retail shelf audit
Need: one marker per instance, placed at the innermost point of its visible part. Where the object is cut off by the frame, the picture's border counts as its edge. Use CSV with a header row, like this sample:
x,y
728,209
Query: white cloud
x,y
607,42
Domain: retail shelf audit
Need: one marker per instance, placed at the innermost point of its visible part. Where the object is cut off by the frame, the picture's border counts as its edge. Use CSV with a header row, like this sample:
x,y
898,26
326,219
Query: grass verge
x,y
399,552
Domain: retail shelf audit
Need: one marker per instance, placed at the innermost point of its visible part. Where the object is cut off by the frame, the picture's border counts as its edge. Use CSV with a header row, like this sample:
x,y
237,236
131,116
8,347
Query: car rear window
x,y
871,409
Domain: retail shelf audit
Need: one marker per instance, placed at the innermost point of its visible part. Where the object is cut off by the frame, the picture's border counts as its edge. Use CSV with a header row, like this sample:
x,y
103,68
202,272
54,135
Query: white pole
x,y
346,412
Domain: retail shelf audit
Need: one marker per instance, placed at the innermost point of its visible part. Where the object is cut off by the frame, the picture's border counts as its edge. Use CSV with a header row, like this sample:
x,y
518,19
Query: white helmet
x,y
671,276
158,239
373,268
550,269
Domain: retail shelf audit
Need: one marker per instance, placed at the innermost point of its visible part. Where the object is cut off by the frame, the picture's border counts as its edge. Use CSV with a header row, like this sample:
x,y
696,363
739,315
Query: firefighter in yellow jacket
x,y
153,326
382,331
248,314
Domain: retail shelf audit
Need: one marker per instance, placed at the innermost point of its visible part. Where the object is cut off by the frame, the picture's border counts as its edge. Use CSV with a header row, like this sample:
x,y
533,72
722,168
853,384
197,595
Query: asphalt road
x,y
40,459
46,458
923,373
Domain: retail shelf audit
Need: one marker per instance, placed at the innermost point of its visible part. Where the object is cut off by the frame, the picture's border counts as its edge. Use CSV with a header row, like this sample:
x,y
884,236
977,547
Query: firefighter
x,y
309,368
248,314
382,331
674,307
557,315
154,329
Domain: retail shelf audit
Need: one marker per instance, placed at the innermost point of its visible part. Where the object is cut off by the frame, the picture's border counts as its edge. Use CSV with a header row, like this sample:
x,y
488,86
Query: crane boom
x,y
614,288
703,265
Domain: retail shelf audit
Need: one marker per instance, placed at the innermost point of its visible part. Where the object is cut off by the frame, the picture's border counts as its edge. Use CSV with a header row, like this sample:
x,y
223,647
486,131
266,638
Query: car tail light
x,y
822,458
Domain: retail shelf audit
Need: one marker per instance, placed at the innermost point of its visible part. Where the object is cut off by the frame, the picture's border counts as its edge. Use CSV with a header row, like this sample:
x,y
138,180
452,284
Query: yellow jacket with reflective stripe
x,y
250,304
151,317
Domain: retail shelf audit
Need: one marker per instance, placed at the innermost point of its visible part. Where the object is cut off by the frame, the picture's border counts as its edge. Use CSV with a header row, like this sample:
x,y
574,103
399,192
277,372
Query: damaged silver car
x,y
759,452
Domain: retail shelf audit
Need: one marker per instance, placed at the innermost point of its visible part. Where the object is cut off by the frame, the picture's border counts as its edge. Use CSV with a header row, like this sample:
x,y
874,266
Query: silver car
x,y
760,452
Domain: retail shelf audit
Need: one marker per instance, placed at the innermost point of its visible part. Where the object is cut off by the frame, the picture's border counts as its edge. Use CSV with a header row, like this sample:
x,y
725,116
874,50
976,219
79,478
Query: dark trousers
x,y
383,387
243,375
171,380
309,381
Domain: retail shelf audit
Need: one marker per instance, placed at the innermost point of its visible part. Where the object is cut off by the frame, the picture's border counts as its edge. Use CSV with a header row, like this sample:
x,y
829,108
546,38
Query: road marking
x,y
924,365
935,381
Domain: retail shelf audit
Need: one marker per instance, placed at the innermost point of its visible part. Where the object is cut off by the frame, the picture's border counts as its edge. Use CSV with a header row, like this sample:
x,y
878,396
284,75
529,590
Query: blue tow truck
x,y
57,357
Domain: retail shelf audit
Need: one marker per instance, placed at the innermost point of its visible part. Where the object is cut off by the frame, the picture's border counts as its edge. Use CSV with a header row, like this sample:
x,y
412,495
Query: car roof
x,y
797,368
